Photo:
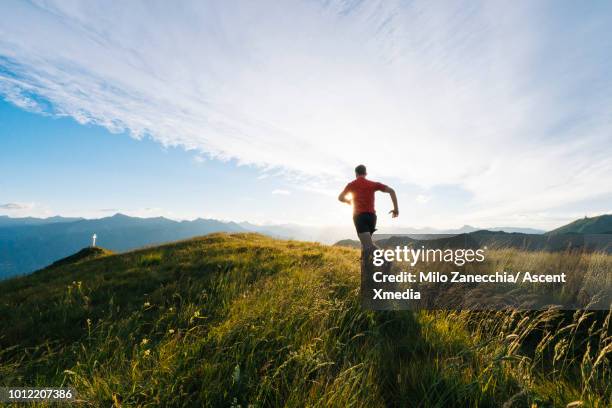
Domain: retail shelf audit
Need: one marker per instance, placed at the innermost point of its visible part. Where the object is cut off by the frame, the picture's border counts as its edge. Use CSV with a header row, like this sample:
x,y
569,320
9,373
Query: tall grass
x,y
245,320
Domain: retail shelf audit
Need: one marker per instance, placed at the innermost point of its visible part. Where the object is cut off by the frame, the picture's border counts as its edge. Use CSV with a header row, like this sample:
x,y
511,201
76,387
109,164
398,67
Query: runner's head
x,y
361,171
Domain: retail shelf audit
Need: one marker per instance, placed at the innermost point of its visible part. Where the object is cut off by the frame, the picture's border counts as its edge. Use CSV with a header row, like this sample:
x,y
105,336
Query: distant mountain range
x,y
6,221
500,239
28,244
463,230
590,234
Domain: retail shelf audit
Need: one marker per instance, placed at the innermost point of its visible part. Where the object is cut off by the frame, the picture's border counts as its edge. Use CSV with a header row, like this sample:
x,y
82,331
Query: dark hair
x,y
360,170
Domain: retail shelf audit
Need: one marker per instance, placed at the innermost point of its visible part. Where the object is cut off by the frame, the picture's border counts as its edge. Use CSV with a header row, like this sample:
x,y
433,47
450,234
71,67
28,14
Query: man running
x,y
364,215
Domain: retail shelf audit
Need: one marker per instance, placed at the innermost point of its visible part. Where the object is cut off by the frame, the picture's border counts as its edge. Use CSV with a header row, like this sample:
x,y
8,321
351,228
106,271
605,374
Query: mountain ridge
x,y
29,243
587,234
601,224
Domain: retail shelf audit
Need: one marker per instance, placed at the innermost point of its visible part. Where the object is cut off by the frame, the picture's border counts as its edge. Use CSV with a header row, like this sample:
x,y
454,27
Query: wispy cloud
x,y
510,101
16,206
281,192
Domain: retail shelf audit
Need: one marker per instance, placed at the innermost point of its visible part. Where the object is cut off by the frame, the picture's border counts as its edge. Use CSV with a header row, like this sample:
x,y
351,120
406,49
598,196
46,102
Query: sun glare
x,y
349,196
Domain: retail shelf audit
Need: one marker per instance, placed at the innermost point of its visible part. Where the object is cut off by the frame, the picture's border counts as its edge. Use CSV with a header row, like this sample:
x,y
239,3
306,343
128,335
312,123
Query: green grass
x,y
239,320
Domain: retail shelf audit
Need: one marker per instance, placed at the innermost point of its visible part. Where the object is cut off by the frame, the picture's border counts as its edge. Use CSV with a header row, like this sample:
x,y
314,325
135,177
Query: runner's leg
x,y
366,241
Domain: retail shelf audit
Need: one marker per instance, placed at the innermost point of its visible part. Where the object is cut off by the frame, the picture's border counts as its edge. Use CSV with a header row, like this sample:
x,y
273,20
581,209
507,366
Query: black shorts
x,y
365,222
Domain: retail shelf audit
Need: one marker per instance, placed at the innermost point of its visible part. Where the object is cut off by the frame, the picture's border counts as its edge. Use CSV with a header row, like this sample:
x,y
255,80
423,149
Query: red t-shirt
x,y
363,194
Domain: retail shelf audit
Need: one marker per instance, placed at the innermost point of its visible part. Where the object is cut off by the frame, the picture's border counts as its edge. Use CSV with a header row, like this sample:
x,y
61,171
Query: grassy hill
x,y
233,320
594,225
84,254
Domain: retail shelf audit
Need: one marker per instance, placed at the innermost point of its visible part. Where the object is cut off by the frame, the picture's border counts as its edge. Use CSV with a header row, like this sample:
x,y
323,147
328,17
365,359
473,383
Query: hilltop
x,y
593,225
28,244
244,319
84,254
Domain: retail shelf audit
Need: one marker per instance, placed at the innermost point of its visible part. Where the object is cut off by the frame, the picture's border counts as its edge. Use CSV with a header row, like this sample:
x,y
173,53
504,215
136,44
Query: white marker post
x,y
93,240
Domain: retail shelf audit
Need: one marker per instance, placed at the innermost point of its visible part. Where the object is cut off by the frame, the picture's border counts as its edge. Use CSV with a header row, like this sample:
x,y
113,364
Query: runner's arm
x,y
342,197
395,211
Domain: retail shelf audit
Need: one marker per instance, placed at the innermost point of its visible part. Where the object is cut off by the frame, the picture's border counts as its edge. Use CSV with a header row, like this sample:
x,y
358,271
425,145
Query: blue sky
x,y
59,166
482,113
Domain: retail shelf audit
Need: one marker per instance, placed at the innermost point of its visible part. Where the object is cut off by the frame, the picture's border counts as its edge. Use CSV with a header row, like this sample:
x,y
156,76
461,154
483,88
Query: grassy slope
x,y
594,225
238,319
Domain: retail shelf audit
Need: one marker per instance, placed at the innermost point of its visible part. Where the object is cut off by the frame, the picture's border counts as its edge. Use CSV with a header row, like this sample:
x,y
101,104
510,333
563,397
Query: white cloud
x,y
16,206
500,99
281,192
